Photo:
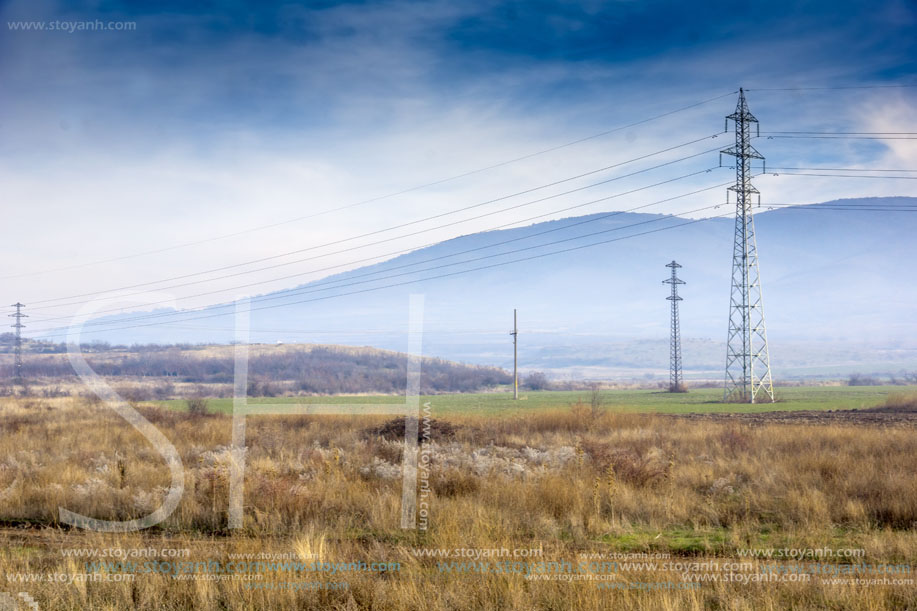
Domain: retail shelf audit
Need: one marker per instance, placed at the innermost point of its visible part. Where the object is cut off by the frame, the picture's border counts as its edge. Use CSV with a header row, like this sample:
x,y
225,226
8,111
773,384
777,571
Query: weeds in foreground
x,y
568,482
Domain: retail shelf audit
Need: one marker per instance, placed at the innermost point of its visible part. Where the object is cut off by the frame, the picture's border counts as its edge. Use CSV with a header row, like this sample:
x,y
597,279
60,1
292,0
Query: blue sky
x,y
210,118
318,65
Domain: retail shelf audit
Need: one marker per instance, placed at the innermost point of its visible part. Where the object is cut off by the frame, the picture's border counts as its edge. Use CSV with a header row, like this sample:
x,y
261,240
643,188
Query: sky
x,y
184,136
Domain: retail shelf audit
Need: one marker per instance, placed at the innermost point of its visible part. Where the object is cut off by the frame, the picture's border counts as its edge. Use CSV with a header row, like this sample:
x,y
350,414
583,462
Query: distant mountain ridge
x,y
834,281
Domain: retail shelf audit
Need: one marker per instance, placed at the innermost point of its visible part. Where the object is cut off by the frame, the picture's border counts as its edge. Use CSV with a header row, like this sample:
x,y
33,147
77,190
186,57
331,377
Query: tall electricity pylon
x,y
18,315
676,381
748,371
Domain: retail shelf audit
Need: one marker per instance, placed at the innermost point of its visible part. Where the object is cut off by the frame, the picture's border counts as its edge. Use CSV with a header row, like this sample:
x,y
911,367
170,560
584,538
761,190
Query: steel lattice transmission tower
x,y
18,315
676,380
748,372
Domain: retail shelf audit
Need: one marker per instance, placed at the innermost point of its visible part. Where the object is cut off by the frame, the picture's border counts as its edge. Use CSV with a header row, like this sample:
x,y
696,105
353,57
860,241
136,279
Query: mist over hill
x,y
835,282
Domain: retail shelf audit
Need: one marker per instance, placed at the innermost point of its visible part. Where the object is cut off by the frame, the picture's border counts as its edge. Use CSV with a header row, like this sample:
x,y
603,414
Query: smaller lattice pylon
x,y
676,379
18,326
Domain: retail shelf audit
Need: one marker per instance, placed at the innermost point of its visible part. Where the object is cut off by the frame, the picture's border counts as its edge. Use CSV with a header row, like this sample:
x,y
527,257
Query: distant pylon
x,y
748,372
676,380
18,315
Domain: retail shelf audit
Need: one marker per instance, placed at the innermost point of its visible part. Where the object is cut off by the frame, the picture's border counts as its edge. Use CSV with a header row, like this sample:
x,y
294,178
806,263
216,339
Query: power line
x,y
844,133
371,289
276,279
838,137
445,275
844,169
450,224
848,209
833,88
848,203
349,331
843,175
574,248
387,196
313,287
840,208
418,221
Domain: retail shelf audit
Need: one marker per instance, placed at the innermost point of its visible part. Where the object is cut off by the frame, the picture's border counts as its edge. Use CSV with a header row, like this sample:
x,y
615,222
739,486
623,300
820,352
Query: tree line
x,y
318,369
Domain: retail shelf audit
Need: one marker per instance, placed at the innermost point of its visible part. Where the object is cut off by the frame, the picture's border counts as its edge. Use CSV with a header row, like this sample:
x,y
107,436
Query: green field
x,y
700,400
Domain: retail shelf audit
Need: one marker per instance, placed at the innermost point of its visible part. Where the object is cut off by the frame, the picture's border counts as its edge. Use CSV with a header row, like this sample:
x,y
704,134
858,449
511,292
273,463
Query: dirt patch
x,y
394,430
878,416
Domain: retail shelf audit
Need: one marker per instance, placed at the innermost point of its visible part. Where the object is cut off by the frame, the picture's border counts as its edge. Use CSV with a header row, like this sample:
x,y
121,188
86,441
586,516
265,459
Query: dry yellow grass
x,y
566,483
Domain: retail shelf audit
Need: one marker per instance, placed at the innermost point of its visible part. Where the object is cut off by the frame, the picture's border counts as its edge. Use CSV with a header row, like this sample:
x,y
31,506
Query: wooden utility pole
x,y
515,335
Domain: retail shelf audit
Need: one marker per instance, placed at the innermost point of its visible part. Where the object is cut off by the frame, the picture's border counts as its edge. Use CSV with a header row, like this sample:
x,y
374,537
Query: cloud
x,y
894,113
203,123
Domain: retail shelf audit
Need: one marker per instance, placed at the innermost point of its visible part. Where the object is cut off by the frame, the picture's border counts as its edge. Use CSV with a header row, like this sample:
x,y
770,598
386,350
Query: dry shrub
x,y
553,495
634,465
390,452
639,471
197,406
454,483
91,399
735,439
14,422
161,416
135,394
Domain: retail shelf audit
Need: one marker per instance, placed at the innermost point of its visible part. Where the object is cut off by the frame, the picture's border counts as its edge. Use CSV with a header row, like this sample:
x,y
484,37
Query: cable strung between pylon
x,y
550,213
493,265
399,226
307,290
382,197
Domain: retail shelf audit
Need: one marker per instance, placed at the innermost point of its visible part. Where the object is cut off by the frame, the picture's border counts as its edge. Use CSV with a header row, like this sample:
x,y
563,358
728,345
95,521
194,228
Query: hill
x,y
603,310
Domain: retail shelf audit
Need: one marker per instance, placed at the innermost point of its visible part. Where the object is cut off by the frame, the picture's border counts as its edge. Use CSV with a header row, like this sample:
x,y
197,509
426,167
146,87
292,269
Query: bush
x,y
197,406
536,381
858,379
135,394
455,483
